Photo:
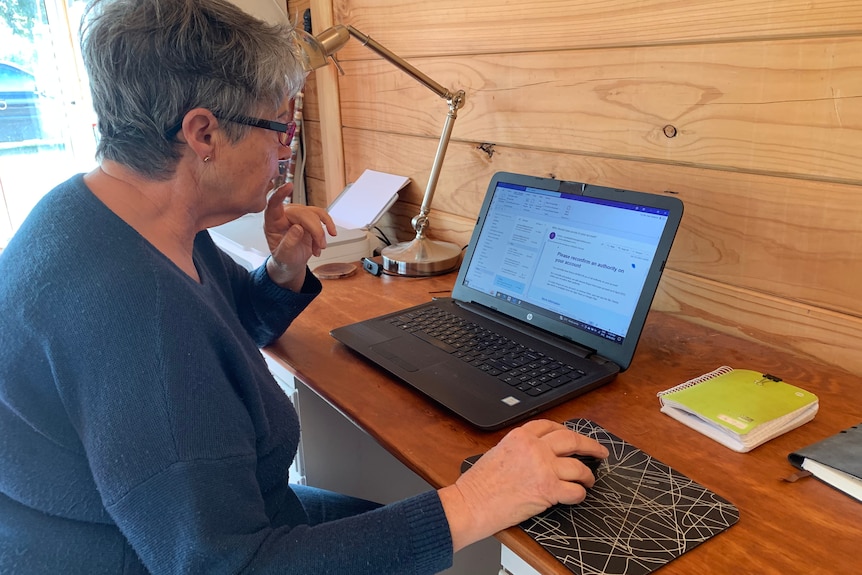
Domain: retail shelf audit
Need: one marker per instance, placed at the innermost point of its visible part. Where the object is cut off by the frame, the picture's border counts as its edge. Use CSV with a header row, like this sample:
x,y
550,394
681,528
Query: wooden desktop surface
x,y
801,527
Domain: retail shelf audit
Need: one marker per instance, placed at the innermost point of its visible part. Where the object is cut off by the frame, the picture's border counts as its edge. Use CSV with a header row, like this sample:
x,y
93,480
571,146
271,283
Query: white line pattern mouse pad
x,y
640,514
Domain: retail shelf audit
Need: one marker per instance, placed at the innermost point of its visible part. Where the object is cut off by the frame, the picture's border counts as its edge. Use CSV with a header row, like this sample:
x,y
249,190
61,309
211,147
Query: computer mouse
x,y
593,463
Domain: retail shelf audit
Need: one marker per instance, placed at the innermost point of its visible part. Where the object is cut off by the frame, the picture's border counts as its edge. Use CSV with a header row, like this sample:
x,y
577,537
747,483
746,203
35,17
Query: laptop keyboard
x,y
525,369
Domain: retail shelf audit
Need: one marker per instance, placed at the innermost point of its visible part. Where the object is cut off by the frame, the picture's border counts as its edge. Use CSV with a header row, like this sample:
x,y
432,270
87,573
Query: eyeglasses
x,y
285,131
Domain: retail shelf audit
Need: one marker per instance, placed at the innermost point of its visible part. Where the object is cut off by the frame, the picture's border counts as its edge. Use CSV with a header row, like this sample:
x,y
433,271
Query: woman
x,y
141,431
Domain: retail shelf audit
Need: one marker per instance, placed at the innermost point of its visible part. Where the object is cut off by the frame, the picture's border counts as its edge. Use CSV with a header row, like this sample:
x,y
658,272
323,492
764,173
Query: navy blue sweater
x,y
140,430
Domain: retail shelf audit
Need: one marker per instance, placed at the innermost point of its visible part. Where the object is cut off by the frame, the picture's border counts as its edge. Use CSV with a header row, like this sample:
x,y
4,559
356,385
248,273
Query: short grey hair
x,y
151,61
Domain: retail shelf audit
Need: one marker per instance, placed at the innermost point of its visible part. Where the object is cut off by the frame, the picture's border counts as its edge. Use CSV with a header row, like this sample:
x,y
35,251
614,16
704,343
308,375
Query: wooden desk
x,y
802,527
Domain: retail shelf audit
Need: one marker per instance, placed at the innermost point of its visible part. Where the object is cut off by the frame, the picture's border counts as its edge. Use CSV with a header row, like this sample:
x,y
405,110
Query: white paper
x,y
361,204
836,478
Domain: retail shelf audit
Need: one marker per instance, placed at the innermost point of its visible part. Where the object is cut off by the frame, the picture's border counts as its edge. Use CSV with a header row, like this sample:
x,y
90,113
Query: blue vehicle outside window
x,y
19,105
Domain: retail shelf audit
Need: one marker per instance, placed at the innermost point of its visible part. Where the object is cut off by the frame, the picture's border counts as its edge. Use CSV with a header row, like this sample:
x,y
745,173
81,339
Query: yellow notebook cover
x,y
740,408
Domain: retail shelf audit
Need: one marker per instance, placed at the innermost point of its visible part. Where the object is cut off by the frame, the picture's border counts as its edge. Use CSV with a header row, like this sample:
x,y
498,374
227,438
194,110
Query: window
x,y
46,120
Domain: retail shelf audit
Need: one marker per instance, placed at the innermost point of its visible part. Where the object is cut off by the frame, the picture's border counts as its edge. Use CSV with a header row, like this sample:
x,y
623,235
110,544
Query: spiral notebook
x,y
639,515
739,408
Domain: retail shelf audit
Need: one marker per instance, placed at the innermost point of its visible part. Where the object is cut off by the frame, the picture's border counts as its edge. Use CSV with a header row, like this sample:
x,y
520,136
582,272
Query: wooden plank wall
x,y
764,98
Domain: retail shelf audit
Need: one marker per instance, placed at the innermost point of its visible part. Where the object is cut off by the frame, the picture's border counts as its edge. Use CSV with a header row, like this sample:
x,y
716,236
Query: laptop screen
x,y
571,258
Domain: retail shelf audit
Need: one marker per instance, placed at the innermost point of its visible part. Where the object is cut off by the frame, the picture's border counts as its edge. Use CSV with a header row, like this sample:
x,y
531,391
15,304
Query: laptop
x,y
554,290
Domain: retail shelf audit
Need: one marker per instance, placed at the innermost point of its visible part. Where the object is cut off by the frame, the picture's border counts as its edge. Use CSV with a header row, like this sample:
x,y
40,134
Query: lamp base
x,y
421,257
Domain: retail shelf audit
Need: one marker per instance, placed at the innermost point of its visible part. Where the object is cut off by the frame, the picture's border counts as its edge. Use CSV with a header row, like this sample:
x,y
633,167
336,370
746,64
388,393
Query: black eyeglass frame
x,y
285,131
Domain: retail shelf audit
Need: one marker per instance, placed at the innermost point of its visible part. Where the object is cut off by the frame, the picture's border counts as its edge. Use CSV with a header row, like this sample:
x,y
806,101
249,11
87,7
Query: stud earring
x,y
206,159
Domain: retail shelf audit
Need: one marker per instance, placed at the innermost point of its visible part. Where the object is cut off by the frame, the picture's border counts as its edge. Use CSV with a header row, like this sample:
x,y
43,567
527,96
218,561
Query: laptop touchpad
x,y
407,354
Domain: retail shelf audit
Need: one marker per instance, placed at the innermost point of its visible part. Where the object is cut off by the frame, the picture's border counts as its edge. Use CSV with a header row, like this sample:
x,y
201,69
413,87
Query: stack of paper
x,y
362,203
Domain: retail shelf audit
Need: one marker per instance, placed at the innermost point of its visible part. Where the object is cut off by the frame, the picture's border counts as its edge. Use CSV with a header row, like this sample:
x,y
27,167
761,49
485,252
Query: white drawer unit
x,y
286,381
512,564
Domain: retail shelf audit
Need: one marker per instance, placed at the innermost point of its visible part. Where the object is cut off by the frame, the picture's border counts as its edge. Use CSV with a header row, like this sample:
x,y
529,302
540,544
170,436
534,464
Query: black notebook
x,y
836,460
549,303
639,515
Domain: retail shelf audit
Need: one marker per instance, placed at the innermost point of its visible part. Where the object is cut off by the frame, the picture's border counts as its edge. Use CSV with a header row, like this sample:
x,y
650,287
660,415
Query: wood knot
x,y
487,148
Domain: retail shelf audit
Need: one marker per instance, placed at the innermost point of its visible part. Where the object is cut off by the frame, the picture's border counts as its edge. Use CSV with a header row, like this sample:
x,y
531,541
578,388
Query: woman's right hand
x,y
294,233
528,471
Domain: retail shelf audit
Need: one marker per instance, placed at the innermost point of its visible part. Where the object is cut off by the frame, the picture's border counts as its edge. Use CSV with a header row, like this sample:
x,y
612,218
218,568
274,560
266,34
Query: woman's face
x,y
252,163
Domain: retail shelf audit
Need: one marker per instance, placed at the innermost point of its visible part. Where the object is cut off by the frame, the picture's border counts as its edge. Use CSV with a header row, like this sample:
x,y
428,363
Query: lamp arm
x,y
454,101
316,50
420,221
402,64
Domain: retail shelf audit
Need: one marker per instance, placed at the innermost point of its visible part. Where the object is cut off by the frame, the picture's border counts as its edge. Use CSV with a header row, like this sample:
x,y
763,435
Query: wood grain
x,y
803,118
451,27
739,229
807,331
326,104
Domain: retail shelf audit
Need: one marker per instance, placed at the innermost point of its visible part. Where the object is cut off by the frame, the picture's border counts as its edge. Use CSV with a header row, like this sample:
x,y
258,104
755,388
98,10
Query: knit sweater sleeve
x,y
208,517
265,309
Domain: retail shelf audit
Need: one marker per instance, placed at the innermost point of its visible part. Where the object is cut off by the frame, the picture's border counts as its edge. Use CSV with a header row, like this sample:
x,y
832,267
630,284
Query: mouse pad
x,y
640,515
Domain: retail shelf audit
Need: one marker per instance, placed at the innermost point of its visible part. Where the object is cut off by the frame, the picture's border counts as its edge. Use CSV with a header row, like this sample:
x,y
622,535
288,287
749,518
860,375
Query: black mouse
x,y
593,463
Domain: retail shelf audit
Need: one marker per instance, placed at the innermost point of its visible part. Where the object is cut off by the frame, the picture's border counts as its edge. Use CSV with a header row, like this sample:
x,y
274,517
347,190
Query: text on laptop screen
x,y
579,260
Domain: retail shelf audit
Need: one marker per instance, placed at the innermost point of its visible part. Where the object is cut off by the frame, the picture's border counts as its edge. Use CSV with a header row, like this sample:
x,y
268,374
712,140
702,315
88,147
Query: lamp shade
x,y
316,49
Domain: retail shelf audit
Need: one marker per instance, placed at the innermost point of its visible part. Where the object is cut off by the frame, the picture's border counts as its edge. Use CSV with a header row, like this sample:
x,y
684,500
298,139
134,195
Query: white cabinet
x,y
286,381
514,565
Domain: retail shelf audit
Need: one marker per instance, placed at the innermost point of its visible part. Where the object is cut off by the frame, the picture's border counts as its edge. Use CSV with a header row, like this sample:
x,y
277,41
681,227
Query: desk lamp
x,y
421,256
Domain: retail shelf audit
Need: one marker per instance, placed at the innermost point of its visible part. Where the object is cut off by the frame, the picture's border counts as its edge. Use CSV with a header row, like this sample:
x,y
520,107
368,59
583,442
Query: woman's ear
x,y
198,132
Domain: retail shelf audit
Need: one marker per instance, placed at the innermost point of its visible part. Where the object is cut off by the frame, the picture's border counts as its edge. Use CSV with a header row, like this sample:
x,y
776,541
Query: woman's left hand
x,y
294,233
